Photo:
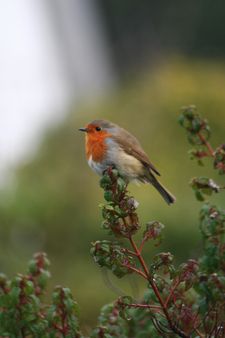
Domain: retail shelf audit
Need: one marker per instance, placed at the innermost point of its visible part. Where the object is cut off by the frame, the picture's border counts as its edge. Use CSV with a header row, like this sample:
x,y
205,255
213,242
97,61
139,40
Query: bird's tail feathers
x,y
168,197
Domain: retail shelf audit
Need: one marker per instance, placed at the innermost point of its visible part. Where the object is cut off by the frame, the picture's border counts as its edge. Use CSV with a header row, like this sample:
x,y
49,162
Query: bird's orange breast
x,y
96,146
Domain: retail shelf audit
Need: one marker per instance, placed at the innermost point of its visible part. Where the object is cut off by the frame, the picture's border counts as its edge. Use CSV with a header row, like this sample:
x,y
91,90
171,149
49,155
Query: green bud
x,y
108,196
29,288
43,278
105,181
32,267
121,184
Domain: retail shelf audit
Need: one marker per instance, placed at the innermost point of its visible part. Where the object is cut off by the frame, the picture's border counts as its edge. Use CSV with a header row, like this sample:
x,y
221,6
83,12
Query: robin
x,y
107,145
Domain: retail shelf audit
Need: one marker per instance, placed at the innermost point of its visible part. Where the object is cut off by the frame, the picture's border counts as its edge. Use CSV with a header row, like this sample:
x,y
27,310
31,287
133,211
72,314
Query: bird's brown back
x,y
132,146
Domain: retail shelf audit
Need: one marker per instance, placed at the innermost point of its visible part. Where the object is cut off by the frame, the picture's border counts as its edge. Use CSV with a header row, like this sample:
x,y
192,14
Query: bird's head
x,y
99,129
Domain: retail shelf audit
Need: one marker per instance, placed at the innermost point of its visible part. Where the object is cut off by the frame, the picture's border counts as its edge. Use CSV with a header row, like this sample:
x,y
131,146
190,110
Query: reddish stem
x,y
63,314
136,270
139,256
172,292
130,252
145,306
156,291
199,333
207,144
142,244
155,308
196,327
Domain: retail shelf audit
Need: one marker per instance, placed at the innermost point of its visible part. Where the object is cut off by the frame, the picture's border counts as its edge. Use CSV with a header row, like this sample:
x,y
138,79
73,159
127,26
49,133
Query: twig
x,y
130,252
155,308
136,270
207,144
174,328
145,306
172,292
142,244
139,256
199,333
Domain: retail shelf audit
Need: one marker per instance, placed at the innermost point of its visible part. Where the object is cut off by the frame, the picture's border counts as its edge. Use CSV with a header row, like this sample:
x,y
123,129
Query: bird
x,y
109,145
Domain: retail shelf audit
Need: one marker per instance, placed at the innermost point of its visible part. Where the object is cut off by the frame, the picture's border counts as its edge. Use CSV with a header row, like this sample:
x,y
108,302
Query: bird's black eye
x,y
98,129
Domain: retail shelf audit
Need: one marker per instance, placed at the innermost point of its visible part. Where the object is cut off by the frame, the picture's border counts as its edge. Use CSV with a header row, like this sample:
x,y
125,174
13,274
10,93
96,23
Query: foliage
x,y
48,206
24,314
184,301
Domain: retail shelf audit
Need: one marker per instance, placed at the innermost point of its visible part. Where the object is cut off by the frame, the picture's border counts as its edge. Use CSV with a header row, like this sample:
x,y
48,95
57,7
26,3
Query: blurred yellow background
x,y
49,202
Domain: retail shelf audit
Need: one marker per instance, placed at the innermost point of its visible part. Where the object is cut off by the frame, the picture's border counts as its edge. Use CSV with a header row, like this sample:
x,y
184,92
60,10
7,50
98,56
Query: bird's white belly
x,y
97,167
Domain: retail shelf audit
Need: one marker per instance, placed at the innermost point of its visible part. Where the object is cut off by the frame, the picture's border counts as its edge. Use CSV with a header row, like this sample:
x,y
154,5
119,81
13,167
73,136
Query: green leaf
x,y
29,288
199,196
121,184
108,196
14,295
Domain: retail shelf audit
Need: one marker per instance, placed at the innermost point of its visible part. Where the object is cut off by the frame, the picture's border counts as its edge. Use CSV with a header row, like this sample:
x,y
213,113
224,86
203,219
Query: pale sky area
x,y
31,89
34,85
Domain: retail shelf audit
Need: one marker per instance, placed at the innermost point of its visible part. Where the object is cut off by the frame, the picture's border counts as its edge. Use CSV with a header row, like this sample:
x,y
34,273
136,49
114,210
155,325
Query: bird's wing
x,y
131,146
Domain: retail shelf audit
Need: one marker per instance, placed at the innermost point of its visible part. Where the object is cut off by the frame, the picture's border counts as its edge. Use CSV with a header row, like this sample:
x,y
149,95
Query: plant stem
x,y
142,245
207,144
174,328
155,308
136,270
139,256
199,333
145,306
172,292
131,252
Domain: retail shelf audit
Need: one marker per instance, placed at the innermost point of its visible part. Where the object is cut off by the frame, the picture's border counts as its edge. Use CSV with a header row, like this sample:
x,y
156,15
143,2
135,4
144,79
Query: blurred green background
x,y
51,203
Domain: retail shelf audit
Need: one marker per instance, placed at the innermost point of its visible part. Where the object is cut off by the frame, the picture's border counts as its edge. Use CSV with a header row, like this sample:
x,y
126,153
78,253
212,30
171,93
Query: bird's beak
x,y
83,129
